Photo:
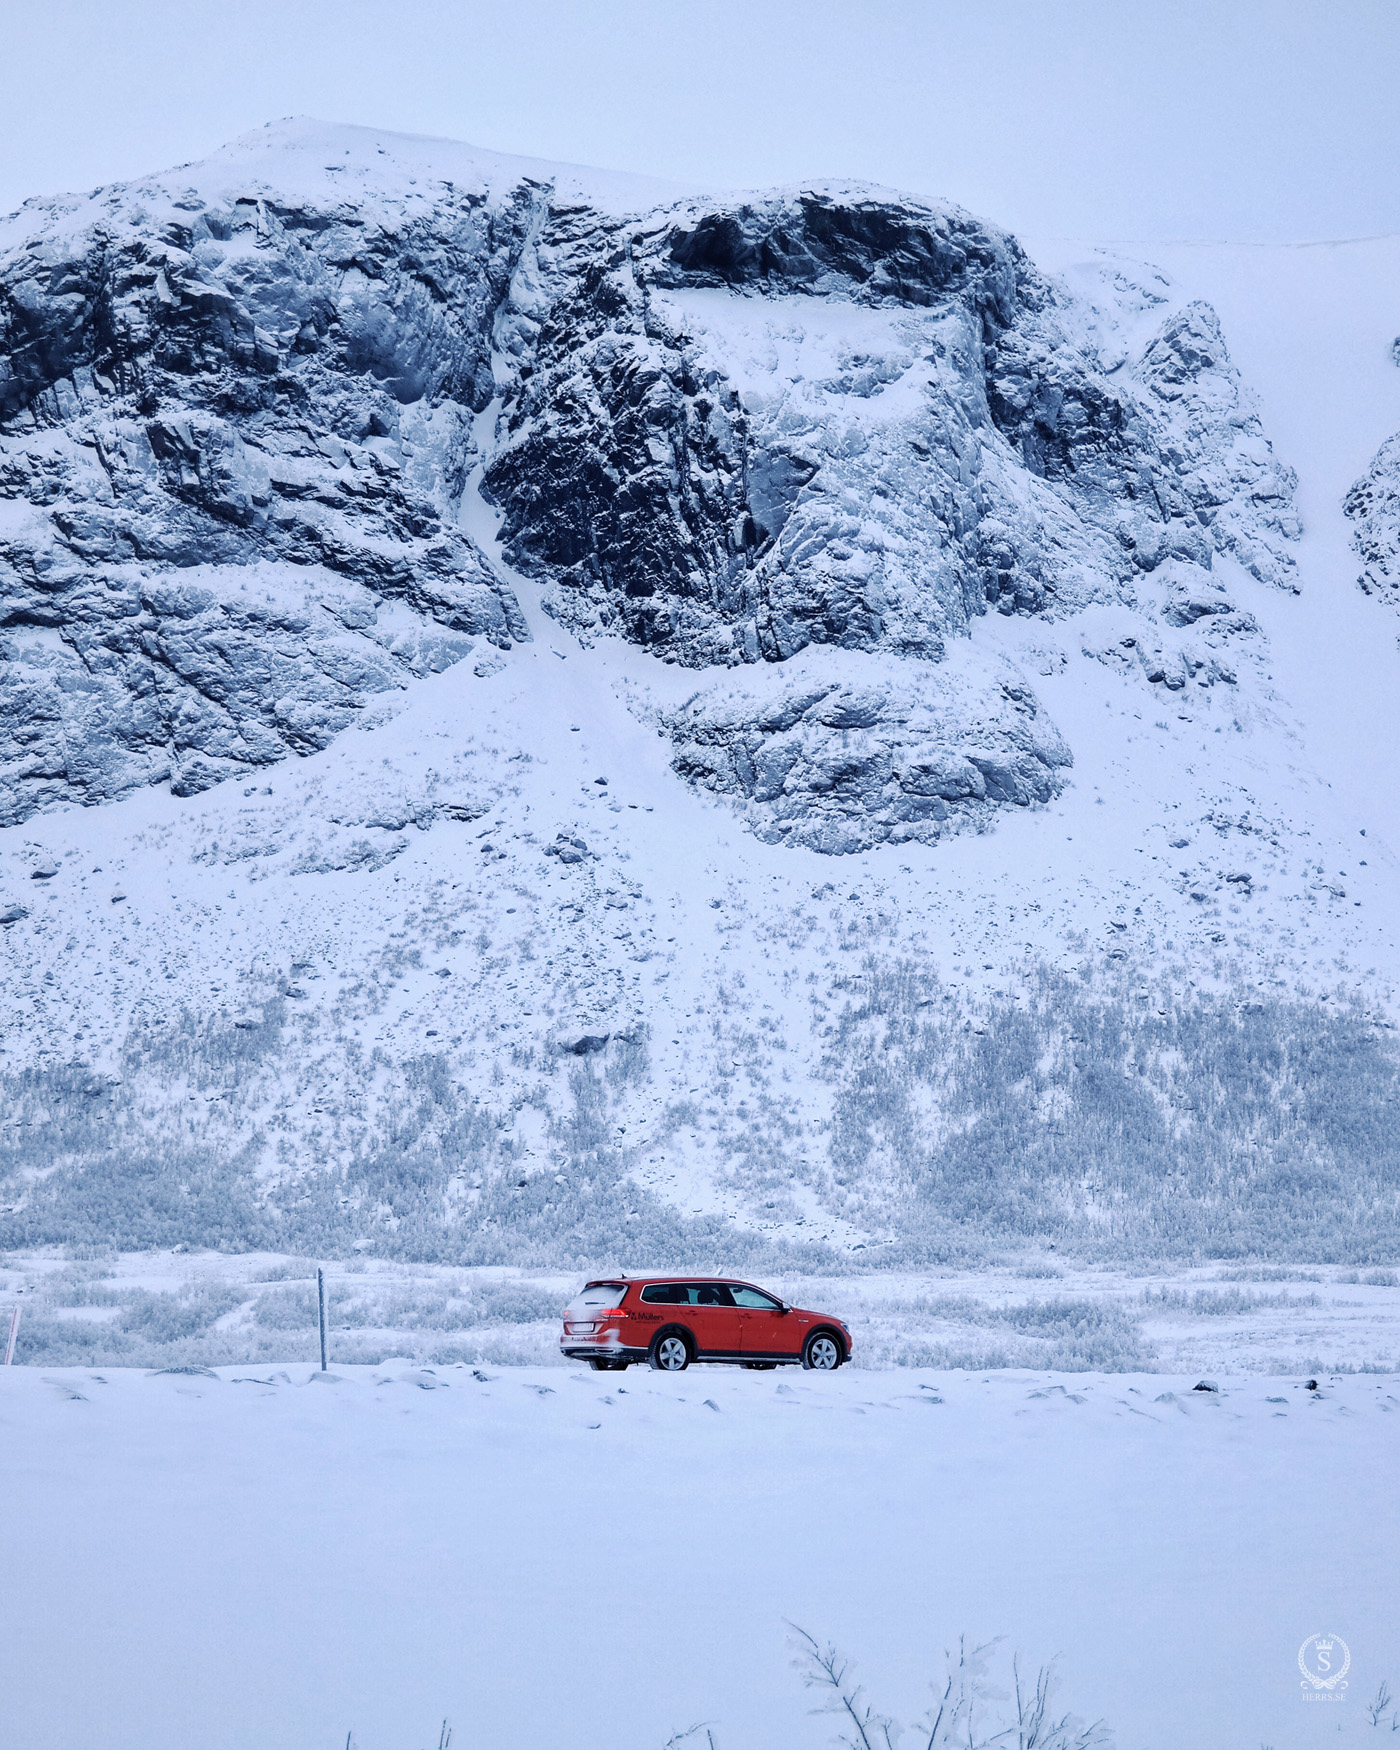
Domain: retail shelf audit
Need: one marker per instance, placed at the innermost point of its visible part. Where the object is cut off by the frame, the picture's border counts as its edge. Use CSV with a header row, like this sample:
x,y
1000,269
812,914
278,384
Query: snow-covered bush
x,y
1192,1125
960,1715
1063,1334
1065,1114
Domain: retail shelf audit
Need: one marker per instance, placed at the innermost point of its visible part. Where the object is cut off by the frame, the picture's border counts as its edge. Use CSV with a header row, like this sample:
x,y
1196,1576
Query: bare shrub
x,y
959,1717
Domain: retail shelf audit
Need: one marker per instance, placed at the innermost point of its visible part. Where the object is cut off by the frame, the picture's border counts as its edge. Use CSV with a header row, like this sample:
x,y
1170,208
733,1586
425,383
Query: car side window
x,y
688,1294
712,1294
755,1297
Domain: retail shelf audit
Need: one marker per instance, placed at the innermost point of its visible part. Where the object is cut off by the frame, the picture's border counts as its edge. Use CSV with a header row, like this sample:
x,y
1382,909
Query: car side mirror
x,y
783,1306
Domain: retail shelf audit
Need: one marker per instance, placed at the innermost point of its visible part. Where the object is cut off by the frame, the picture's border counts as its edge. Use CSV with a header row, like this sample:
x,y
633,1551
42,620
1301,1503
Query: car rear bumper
x,y
597,1349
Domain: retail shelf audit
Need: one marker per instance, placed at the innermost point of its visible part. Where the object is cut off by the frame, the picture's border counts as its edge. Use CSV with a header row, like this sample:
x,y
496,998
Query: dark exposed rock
x,y
567,849
841,417
586,1044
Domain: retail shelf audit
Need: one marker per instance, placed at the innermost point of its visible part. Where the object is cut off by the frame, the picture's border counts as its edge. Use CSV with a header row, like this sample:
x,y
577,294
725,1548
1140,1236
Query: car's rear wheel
x,y
670,1353
822,1352
601,1365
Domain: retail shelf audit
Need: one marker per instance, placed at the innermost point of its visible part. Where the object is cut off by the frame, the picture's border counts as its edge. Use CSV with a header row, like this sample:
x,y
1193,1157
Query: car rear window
x,y
597,1294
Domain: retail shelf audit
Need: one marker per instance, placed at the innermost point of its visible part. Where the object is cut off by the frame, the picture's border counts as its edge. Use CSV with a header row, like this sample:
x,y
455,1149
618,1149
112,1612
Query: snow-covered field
x,y
161,1309
458,1525
258,1557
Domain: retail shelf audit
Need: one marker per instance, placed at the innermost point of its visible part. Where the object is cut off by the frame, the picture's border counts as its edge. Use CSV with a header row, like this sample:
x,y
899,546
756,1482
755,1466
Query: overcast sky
x,y
1260,120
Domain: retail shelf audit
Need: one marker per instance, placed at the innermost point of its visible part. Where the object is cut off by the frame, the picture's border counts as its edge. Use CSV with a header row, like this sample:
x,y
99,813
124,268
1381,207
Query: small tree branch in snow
x,y
690,1731
1036,1730
824,1668
951,1722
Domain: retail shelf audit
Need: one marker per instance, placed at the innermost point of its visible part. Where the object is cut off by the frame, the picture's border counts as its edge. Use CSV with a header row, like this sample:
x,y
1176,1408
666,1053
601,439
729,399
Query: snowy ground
x,y
547,1558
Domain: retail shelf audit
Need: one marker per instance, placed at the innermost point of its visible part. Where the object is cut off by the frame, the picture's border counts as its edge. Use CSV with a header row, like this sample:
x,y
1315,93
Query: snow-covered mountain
x,y
545,715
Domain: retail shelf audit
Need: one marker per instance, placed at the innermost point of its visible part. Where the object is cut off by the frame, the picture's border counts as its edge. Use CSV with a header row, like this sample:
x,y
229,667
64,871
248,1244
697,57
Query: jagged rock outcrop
x,y
245,409
841,764
835,416
193,680
1373,505
234,430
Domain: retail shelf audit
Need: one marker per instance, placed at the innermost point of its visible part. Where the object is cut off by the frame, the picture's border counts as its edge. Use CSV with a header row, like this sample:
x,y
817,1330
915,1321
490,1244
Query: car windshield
x,y
597,1294
755,1297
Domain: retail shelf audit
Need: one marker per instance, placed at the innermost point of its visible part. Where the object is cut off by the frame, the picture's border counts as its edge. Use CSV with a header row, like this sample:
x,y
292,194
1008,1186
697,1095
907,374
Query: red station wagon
x,y
671,1321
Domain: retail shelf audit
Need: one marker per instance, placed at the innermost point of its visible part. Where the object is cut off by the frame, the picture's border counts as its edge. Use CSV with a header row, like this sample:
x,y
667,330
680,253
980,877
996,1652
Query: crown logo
x,y
1315,1663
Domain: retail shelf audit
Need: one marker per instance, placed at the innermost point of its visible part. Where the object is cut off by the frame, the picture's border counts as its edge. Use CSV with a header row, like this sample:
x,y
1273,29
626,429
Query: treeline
x,y
1107,1120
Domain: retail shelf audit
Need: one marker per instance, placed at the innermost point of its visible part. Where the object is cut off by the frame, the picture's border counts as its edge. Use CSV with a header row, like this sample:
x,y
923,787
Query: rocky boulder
x,y
841,763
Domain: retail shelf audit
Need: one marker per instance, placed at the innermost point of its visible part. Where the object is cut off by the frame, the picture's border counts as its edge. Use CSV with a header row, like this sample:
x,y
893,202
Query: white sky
x,y
1259,120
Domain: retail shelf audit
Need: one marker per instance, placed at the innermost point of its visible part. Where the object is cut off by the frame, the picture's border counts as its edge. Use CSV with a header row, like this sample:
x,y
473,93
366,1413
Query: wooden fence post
x,y
321,1300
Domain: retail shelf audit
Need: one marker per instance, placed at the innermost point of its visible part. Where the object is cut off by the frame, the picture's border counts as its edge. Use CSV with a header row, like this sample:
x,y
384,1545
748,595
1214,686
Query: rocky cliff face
x,y
838,417
246,408
1373,504
235,427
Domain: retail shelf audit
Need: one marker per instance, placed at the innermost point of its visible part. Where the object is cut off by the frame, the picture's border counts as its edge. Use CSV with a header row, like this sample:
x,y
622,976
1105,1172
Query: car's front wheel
x,y
670,1353
822,1352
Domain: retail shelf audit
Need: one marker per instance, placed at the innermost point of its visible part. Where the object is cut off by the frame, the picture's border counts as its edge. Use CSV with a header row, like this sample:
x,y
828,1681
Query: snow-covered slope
x,y
806,714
